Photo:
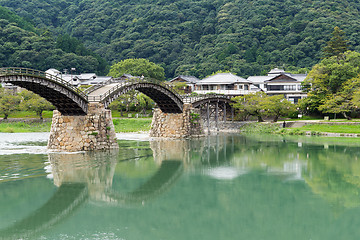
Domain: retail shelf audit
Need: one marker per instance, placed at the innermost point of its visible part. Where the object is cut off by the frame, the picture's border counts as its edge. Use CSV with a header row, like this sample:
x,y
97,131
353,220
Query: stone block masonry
x,y
177,125
95,131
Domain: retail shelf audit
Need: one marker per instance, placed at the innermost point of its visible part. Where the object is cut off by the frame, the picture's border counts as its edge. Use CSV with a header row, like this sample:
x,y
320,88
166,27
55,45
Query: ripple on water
x,y
20,143
27,161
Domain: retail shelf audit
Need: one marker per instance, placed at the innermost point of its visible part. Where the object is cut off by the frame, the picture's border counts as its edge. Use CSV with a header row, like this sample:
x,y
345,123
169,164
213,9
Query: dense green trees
x,y
23,47
247,37
332,84
138,67
337,45
11,101
261,105
132,101
33,102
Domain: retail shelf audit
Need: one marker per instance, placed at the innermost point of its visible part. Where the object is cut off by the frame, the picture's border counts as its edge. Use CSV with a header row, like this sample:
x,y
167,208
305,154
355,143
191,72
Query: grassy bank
x,y
132,124
330,128
12,127
28,114
313,129
121,125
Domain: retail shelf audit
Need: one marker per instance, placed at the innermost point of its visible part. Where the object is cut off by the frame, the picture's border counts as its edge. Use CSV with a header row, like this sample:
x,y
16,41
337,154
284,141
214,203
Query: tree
x,y
251,104
329,78
179,87
137,67
337,45
33,102
123,102
356,100
9,102
143,103
278,106
344,101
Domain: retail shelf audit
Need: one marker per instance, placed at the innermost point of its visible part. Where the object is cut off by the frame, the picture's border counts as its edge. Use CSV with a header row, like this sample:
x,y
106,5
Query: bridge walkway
x,y
95,96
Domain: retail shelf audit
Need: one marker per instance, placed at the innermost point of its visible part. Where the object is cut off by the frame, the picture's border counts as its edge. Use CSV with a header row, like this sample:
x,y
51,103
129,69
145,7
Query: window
x,y
282,87
230,87
289,87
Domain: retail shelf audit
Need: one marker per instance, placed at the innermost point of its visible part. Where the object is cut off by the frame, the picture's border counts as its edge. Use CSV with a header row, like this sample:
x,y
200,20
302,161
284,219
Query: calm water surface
x,y
220,187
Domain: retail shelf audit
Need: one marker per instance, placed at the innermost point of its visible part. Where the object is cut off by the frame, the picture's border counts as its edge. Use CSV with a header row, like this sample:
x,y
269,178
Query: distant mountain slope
x,y
22,46
198,37
6,14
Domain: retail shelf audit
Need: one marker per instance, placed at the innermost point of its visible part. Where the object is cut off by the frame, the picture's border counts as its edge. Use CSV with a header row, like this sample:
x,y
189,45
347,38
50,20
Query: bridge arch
x,y
66,98
212,99
165,97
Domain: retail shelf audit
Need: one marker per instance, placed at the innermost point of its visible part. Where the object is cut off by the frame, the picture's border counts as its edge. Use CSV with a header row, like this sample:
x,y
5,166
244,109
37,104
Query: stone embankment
x,y
95,131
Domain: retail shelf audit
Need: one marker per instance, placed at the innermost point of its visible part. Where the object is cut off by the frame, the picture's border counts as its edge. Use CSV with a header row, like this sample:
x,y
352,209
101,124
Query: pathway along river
x,y
220,187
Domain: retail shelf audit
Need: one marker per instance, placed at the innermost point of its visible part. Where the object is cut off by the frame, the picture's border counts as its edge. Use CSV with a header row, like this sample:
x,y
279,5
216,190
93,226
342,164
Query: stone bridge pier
x,y
94,131
177,125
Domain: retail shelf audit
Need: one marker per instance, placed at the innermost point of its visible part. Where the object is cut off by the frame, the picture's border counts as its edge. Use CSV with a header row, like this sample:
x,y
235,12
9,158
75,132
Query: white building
x,y
223,83
79,79
280,82
190,81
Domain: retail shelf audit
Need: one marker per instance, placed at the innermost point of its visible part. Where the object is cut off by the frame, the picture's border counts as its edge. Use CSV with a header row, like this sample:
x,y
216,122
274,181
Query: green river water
x,y
219,187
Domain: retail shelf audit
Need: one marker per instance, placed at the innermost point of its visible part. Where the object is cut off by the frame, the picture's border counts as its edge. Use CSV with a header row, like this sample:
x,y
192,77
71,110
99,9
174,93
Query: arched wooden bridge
x,y
66,98
69,100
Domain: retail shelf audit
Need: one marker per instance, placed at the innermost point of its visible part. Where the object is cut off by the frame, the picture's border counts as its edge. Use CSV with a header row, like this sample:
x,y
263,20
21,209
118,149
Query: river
x,y
218,187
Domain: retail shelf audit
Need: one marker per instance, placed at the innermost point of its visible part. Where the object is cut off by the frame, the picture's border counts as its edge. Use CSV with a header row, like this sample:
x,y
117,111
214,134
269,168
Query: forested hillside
x,y
198,37
23,46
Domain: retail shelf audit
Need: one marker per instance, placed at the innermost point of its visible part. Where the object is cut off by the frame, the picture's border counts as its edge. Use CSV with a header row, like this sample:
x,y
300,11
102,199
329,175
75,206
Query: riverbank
x,y
339,128
308,127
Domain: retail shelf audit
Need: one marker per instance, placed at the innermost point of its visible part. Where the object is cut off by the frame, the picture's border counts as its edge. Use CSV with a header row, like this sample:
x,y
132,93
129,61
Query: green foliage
x,y
277,106
332,84
125,102
356,99
25,48
260,104
337,45
138,67
9,102
13,18
194,118
251,104
260,128
33,102
179,87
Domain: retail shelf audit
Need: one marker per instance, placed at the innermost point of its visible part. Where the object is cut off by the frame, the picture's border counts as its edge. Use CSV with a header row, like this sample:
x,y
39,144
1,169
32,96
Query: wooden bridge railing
x,y
130,82
11,71
191,98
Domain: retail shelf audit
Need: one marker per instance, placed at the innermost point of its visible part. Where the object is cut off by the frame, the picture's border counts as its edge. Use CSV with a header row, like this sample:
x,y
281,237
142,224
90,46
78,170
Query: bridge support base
x,y
95,131
177,125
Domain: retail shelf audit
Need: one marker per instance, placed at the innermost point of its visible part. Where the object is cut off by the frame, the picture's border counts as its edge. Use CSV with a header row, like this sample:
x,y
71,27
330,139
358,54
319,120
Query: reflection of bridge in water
x,y
82,123
83,177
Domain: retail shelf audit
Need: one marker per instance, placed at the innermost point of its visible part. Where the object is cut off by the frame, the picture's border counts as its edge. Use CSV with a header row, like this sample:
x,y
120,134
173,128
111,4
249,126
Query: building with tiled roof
x,y
223,83
190,82
280,82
